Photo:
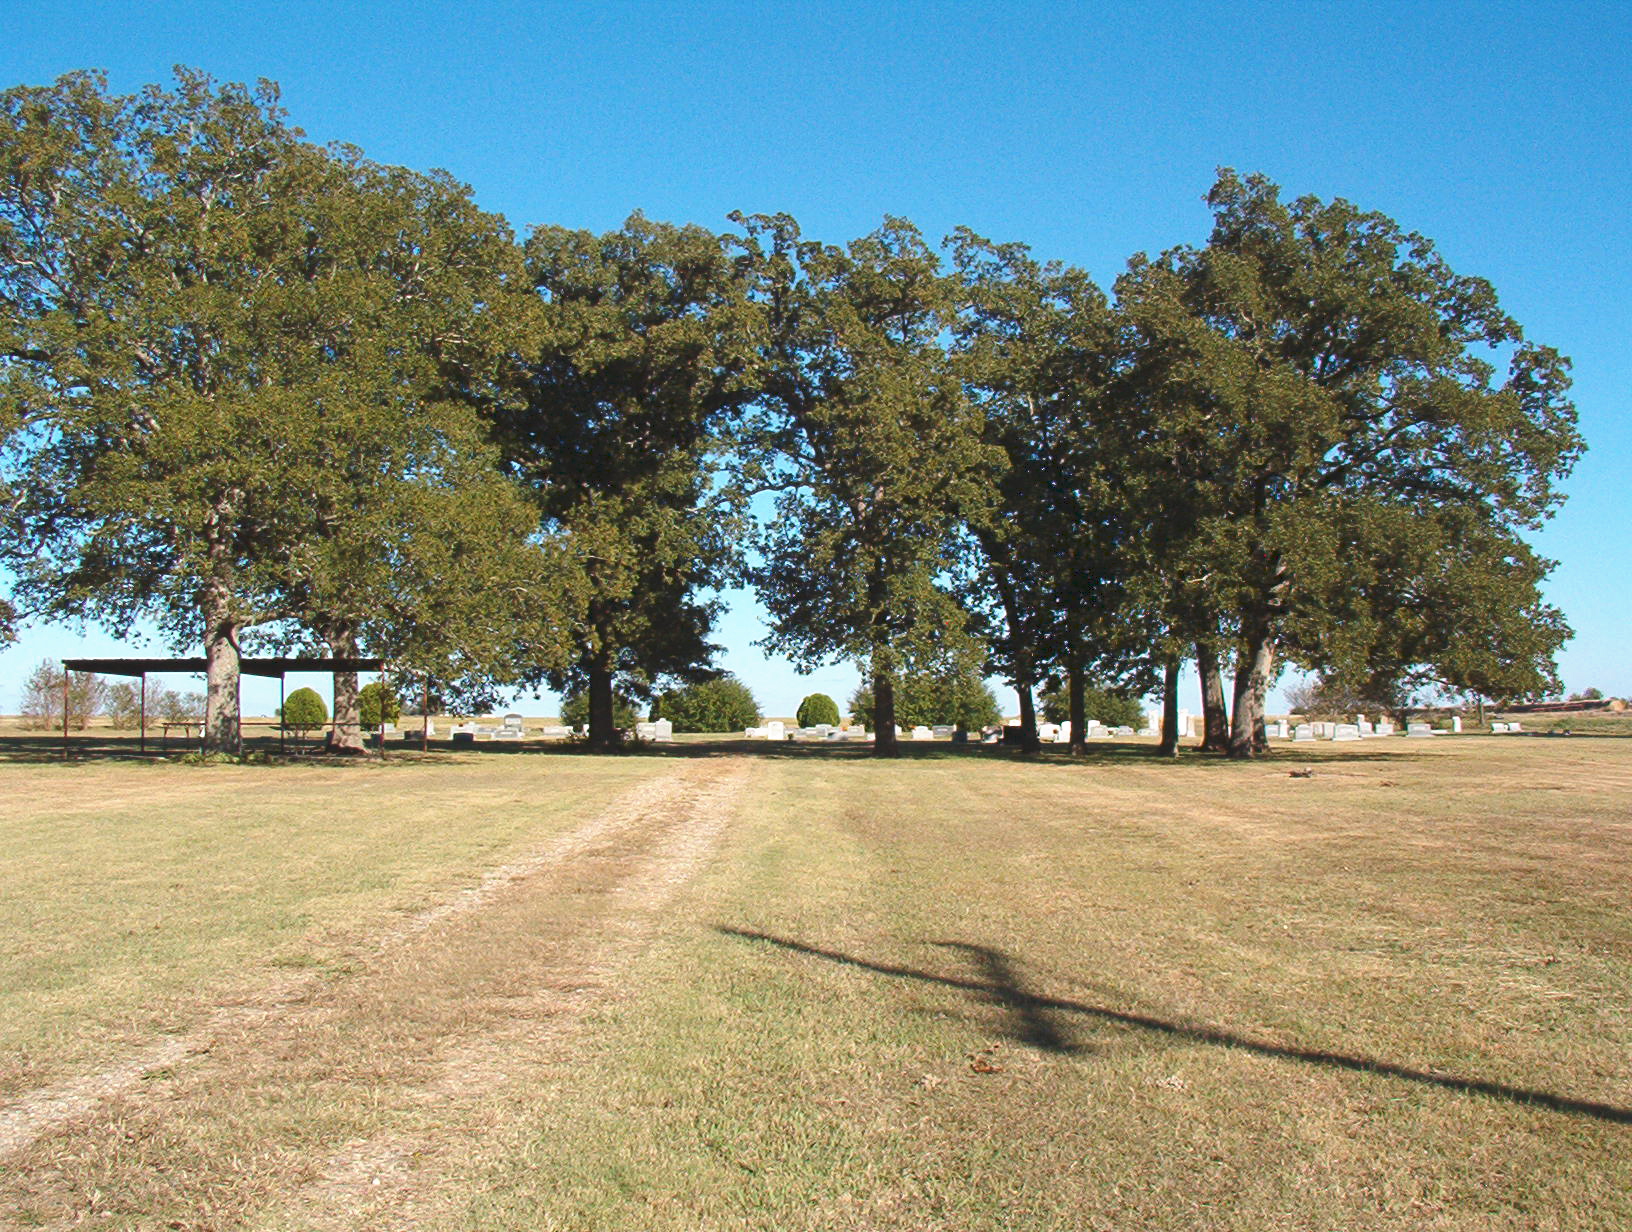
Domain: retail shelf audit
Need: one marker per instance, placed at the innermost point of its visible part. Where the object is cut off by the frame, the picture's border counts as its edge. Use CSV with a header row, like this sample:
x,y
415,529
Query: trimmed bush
x,y
817,709
303,710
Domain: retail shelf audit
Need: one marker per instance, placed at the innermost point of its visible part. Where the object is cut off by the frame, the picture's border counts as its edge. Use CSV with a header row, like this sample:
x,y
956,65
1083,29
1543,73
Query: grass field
x,y
797,989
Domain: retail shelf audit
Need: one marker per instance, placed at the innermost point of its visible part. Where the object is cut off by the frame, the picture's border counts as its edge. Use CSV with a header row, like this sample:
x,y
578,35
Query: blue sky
x,y
1503,132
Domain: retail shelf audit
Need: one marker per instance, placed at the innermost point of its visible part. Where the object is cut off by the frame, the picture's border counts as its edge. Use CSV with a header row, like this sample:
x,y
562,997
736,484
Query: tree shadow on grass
x,y
1034,1020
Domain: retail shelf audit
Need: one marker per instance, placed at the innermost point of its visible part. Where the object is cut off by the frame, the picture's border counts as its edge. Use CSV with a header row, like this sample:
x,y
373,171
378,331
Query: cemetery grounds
x,y
717,986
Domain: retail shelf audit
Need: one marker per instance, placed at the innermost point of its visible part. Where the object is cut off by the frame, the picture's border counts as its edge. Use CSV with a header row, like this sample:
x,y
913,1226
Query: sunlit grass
x,y
949,992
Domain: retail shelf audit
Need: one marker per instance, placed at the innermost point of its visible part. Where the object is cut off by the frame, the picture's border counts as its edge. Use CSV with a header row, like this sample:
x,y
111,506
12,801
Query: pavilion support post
x,y
425,720
65,674
141,717
283,726
384,693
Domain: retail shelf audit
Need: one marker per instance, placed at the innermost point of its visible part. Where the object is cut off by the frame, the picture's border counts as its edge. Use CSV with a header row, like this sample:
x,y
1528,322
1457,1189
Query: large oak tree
x,y
229,349
1315,374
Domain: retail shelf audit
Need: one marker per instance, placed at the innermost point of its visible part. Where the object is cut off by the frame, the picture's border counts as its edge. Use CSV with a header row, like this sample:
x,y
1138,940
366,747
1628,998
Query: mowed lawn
x,y
950,992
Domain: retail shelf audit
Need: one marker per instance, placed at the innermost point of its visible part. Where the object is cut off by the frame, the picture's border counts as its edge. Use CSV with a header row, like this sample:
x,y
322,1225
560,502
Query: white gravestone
x,y
776,729
1304,733
1346,731
1419,730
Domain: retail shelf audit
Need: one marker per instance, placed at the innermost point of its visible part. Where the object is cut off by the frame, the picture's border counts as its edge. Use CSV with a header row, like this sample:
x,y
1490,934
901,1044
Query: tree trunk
x,y
1020,654
884,742
1076,704
1169,746
223,732
347,733
1216,732
1256,656
1030,742
603,733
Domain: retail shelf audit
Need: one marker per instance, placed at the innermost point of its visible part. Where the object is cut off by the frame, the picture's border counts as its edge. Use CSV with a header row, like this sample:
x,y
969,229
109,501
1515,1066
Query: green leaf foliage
x,y
636,356
867,436
1343,424
271,353
304,710
963,700
817,709
1105,706
378,703
575,710
723,704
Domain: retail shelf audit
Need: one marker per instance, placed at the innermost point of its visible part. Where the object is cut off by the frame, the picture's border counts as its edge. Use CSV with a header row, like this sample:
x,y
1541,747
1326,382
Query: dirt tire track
x,y
49,1126
390,1183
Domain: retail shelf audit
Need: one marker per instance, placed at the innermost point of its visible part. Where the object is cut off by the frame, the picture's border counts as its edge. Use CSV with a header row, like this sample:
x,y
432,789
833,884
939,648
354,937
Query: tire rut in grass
x,y
327,1091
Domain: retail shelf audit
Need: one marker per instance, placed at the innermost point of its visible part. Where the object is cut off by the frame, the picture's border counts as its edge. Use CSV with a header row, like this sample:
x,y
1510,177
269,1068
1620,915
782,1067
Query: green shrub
x,y
817,709
1107,706
303,710
575,710
723,704
962,700
377,704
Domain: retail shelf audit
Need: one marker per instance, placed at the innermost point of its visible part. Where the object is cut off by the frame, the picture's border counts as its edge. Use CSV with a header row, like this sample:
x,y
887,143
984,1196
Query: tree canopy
x,y
637,351
237,372
257,391
871,445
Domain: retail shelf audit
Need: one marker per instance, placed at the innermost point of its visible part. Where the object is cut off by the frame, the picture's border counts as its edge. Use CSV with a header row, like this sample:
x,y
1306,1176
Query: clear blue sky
x,y
1502,131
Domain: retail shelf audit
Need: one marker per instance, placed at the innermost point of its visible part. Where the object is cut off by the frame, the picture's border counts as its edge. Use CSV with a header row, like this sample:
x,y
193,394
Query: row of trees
x,y
89,697
271,393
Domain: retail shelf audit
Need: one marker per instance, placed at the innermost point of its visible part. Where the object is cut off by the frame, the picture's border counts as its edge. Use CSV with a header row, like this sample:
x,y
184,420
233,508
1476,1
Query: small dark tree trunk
x,y
1216,733
1030,742
1076,704
1169,746
347,733
884,741
1023,659
603,732
1256,656
223,732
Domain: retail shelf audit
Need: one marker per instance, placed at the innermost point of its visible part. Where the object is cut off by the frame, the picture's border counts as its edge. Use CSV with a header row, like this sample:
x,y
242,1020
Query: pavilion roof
x,y
249,667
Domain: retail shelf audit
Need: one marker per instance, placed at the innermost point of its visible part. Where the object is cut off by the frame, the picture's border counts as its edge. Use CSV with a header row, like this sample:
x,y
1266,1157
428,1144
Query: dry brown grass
x,y
955,992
